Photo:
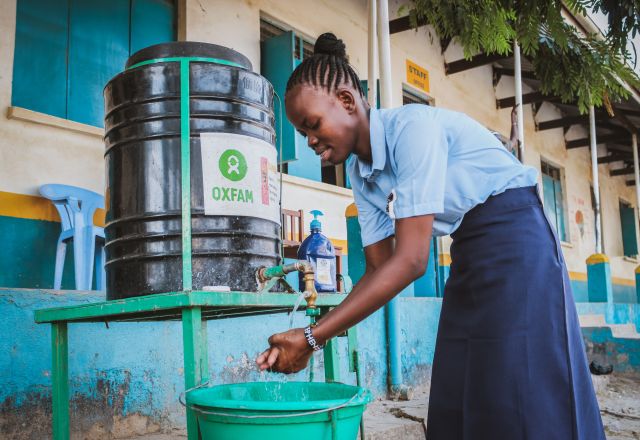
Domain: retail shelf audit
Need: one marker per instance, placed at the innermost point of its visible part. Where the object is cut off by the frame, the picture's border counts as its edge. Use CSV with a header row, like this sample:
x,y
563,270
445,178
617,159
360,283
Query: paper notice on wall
x,y
239,176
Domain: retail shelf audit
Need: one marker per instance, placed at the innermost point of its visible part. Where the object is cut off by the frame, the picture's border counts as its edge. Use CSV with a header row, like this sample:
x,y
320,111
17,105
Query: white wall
x,y
33,154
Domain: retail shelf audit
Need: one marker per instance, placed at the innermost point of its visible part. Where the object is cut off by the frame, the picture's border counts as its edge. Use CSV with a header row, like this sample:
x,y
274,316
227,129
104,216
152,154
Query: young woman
x,y
509,361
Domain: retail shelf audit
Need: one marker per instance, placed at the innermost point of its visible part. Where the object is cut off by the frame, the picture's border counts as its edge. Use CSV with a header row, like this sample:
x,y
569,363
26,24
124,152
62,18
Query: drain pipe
x,y
636,170
396,388
372,81
594,175
518,94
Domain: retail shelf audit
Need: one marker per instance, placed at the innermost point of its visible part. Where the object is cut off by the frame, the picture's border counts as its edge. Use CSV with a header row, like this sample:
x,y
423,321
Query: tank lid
x,y
188,49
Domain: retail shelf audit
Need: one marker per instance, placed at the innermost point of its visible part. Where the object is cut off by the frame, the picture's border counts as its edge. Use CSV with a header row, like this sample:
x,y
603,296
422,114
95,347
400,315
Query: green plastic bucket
x,y
279,410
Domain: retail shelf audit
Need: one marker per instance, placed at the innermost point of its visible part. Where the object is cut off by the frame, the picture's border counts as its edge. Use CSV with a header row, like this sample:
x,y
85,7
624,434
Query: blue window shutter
x,y
548,192
98,50
559,207
628,224
308,164
152,22
40,57
277,63
365,88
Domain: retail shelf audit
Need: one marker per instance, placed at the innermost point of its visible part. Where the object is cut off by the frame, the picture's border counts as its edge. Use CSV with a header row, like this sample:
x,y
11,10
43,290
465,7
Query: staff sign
x,y
417,76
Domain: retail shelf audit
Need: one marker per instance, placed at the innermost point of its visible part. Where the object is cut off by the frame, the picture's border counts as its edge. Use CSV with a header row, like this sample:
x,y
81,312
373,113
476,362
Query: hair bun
x,y
329,44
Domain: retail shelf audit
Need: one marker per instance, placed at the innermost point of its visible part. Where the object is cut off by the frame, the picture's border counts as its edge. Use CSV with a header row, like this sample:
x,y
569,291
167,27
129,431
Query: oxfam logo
x,y
233,165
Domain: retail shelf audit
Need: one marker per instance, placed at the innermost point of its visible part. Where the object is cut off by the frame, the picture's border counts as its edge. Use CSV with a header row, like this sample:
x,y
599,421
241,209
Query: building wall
x,y
58,151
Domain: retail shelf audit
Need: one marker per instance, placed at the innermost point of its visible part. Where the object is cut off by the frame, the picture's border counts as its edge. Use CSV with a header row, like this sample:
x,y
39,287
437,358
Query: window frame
x,y
564,236
623,203
272,27
418,96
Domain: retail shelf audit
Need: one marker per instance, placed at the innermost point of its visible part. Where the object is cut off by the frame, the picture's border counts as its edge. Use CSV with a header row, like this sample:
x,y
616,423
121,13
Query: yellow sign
x,y
417,76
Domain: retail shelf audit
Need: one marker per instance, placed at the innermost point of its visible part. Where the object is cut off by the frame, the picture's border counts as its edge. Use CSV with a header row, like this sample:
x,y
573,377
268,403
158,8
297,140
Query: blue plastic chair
x,y
76,207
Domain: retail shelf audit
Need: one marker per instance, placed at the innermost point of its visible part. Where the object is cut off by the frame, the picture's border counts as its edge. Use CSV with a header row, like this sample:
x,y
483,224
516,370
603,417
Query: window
x,y
67,50
281,52
554,199
410,96
628,226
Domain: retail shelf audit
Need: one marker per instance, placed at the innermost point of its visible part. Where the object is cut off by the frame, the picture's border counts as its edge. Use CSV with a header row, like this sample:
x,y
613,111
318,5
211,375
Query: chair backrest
x,y
292,227
76,206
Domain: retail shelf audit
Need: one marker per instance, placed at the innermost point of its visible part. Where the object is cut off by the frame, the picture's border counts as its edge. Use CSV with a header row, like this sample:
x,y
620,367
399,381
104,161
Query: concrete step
x,y
592,321
626,331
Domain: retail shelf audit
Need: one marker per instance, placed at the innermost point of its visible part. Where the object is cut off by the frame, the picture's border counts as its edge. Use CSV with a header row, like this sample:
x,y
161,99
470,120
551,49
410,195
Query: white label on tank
x,y
239,176
323,271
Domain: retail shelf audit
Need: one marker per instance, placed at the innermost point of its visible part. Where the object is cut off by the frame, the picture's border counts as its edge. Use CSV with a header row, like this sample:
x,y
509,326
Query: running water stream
x,y
301,297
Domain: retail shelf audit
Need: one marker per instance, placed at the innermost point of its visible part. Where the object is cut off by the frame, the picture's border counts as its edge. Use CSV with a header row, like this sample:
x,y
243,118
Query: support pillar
x,y
638,284
195,359
636,169
518,95
355,254
599,279
594,177
372,95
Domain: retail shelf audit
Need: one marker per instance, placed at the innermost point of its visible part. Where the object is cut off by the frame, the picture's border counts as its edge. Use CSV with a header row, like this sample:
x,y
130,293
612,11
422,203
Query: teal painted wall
x,y
123,369
580,291
624,294
29,252
621,293
622,353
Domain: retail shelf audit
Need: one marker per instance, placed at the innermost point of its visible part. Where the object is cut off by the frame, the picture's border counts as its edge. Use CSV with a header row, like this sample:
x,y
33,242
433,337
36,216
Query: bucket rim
x,y
361,396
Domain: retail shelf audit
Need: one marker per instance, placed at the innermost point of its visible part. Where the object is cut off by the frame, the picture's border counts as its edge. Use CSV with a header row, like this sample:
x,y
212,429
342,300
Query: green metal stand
x,y
60,380
195,359
193,309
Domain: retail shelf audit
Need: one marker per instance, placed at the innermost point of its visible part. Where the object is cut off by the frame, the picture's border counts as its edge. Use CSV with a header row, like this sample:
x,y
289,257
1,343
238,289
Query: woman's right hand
x,y
289,352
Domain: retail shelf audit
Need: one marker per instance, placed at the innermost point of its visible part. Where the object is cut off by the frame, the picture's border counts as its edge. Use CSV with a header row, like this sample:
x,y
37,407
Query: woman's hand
x,y
289,352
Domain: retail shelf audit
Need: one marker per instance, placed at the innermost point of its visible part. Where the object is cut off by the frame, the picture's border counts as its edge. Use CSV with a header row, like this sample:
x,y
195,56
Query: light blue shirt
x,y
434,161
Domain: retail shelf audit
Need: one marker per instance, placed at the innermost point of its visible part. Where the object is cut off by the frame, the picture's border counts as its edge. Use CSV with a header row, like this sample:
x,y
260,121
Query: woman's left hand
x,y
289,352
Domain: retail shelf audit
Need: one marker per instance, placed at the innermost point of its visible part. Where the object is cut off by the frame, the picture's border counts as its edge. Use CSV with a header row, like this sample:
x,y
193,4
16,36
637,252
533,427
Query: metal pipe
x,y
636,169
594,174
384,52
395,383
372,93
264,274
518,94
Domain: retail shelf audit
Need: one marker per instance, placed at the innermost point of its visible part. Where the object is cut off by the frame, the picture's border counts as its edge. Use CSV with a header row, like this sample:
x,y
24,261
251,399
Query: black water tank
x,y
234,185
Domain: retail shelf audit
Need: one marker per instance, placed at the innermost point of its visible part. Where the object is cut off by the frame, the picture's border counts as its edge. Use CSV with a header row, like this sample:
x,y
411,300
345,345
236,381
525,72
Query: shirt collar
x,y
369,171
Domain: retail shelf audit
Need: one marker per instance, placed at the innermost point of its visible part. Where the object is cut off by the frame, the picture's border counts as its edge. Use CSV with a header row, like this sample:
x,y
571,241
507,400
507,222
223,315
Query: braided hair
x,y
328,67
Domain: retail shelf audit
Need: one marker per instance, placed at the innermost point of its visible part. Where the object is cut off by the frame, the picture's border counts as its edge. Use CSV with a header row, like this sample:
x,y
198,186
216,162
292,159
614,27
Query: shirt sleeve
x,y
421,167
375,224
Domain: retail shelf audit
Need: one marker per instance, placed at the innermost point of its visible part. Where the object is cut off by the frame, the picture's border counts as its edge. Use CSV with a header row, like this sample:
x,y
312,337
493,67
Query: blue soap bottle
x,y
318,250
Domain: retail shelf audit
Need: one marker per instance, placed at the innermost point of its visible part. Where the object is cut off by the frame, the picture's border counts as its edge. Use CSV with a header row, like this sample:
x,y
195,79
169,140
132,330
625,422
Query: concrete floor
x,y
618,395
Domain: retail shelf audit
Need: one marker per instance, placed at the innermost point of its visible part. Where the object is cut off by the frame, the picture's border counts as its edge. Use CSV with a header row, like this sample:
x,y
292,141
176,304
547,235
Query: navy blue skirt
x,y
510,361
